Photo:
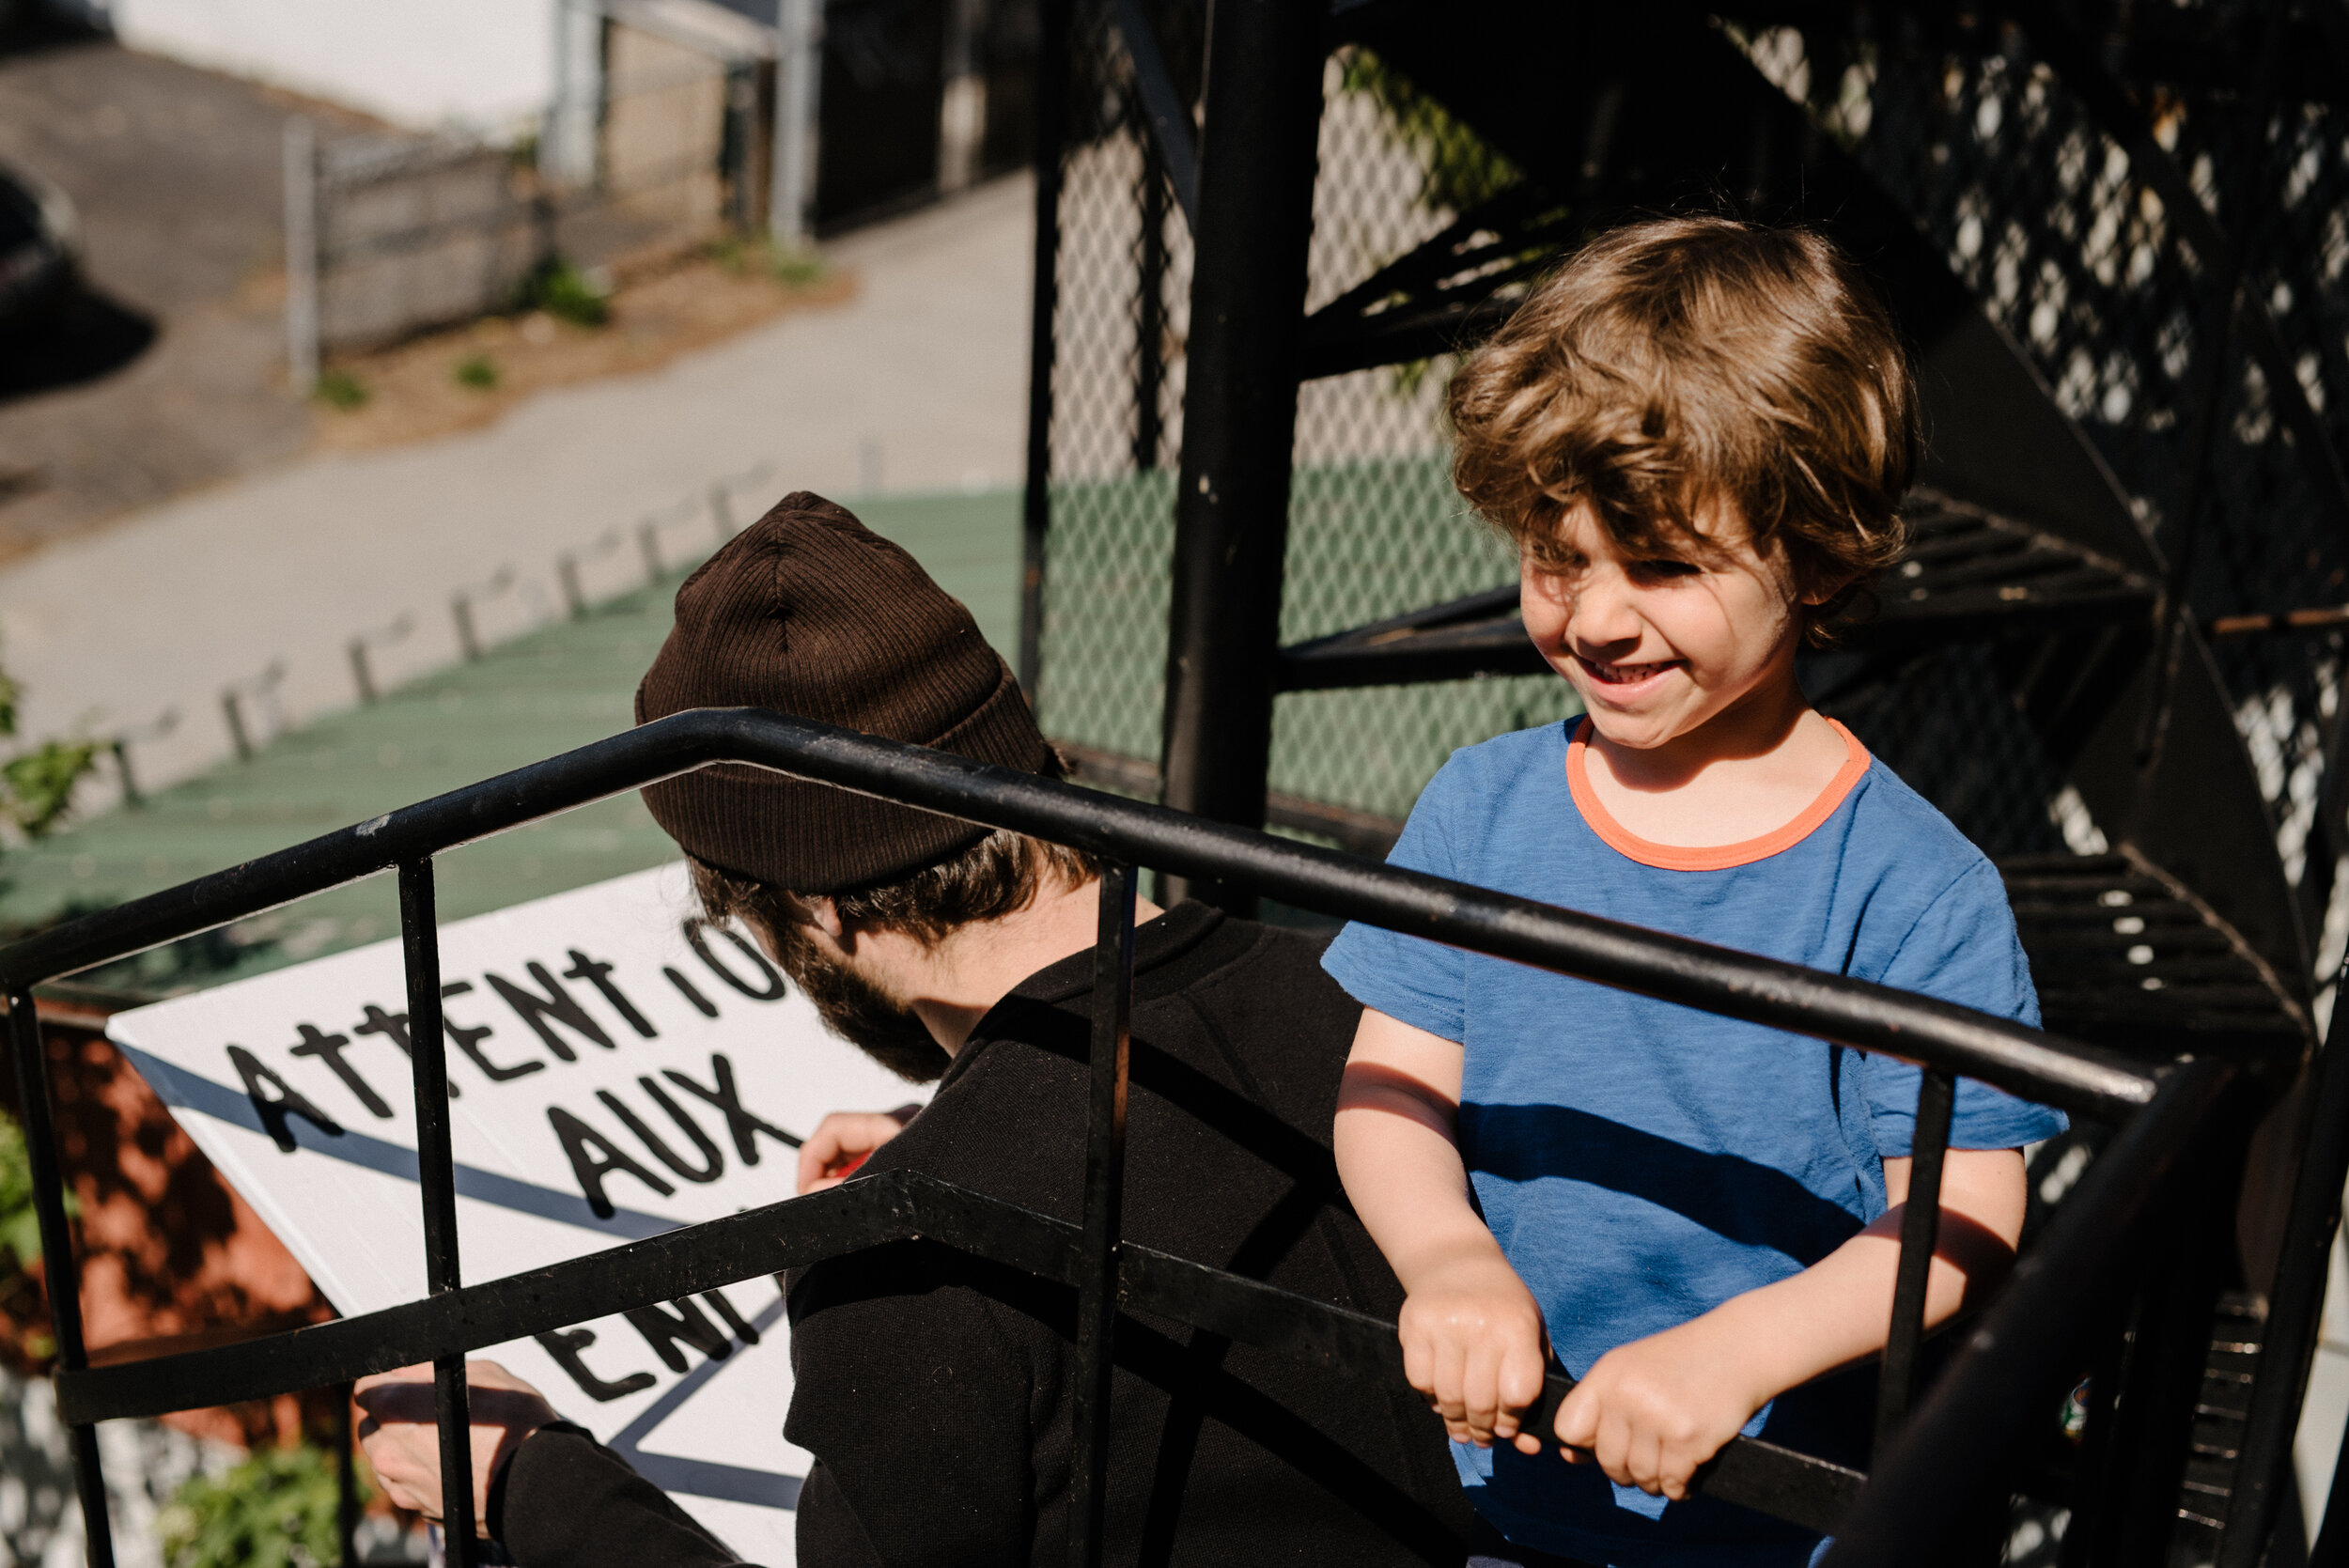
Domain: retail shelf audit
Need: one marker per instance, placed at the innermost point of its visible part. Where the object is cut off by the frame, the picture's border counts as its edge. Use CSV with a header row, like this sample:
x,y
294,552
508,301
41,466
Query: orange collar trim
x,y
1714,857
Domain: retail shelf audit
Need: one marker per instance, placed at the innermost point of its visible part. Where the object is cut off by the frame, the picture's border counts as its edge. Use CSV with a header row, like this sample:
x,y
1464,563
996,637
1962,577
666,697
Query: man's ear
x,y
825,915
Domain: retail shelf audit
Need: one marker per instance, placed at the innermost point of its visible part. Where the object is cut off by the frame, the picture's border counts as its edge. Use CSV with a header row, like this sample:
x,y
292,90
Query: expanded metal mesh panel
x,y
2069,245
1375,527
1946,723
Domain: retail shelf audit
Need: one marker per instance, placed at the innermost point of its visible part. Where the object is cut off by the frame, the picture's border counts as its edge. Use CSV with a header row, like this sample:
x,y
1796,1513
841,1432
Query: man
x,y
936,1390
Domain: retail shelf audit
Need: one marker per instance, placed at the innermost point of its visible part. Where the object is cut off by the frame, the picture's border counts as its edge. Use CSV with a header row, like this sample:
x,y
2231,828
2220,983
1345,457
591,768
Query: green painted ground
x,y
555,688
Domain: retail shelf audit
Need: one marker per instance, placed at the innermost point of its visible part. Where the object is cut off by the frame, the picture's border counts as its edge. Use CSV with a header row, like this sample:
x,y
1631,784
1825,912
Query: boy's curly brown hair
x,y
1679,362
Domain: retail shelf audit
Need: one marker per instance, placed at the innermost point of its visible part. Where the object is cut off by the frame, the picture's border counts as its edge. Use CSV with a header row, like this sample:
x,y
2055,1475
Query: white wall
x,y
484,64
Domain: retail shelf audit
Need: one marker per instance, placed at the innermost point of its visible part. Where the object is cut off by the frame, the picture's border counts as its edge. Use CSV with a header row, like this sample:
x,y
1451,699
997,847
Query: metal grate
x,y
1968,572
2067,235
2124,954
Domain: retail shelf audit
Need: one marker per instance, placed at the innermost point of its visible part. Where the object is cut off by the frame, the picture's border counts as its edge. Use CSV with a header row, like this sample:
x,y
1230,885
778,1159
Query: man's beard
x,y
860,1012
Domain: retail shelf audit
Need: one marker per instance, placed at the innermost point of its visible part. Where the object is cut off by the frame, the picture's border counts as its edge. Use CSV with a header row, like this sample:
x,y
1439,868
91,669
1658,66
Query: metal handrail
x,y
1945,1039
2082,1078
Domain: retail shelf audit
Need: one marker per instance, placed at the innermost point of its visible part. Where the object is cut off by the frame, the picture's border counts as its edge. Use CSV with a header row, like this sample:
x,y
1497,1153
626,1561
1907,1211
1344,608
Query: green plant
x,y
796,269
792,267
275,1509
480,372
1457,167
37,785
340,389
566,293
20,1228
25,1338
731,251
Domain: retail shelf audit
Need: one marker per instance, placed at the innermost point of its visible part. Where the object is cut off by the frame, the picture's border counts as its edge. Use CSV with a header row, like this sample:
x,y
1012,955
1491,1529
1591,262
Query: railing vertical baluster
x,y
436,1171
346,1488
61,1270
1105,1182
1921,1231
2295,1304
2330,1546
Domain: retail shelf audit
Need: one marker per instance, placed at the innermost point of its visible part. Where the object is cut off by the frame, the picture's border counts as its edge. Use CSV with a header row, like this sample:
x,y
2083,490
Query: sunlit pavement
x,y
916,385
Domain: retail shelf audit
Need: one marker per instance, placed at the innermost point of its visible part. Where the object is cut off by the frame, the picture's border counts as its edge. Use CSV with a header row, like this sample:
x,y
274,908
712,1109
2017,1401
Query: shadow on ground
x,y
28,26
81,338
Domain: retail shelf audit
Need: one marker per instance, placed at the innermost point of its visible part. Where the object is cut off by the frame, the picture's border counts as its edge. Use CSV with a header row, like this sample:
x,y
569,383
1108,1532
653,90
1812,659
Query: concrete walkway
x,y
917,385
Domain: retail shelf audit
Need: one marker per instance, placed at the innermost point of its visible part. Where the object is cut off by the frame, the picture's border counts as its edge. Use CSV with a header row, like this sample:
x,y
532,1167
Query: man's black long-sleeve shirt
x,y
937,1391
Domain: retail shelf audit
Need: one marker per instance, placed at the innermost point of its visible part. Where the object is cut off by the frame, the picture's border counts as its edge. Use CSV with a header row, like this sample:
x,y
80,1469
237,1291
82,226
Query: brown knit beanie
x,y
810,612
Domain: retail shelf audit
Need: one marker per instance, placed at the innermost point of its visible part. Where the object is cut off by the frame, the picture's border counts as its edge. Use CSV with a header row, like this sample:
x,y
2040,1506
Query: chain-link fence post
x,y
797,88
1239,413
302,253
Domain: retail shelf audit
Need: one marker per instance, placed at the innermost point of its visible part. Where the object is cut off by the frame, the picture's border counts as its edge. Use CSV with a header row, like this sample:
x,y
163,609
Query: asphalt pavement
x,y
916,385
168,371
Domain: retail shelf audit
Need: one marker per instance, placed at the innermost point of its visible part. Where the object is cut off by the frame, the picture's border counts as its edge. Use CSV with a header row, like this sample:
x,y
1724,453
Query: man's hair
x,y
1679,362
999,876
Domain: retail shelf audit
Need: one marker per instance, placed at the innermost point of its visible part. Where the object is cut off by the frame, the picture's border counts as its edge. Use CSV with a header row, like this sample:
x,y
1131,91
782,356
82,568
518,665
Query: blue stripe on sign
x,y
186,1090
704,1478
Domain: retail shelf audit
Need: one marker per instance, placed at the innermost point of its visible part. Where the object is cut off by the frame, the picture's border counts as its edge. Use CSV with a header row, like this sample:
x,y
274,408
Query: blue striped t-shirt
x,y
1639,1162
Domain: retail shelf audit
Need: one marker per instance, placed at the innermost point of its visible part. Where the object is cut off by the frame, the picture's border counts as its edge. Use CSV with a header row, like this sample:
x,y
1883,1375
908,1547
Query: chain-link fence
x,y
1375,527
2039,206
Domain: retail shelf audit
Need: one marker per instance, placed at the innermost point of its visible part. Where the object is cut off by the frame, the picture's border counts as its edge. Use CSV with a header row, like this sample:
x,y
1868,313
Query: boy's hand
x,y
1653,1410
1473,1343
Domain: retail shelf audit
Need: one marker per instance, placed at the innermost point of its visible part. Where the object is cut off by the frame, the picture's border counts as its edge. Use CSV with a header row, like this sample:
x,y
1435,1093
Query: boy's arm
x,y
1652,1411
1473,1337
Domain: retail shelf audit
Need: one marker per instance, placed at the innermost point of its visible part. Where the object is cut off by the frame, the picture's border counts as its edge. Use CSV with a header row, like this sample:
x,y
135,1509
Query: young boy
x,y
1698,433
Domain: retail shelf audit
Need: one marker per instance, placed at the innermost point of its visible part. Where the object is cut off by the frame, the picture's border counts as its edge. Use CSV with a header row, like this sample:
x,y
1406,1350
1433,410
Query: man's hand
x,y
1653,1410
841,1140
1473,1345
397,1431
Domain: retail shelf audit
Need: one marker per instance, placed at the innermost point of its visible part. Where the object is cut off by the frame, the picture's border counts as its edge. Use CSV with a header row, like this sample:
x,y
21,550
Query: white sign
x,y
616,1069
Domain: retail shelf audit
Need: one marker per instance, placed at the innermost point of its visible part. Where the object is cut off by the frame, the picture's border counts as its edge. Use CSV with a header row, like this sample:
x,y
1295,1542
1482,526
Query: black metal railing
x,y
1924,1478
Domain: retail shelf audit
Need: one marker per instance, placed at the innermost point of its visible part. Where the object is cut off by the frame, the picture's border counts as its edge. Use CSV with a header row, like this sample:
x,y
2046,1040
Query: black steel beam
x,y
1104,1211
2295,1304
61,1269
1036,503
1441,296
1921,1229
1480,634
1254,219
436,1185
870,1211
1161,105
1855,1012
